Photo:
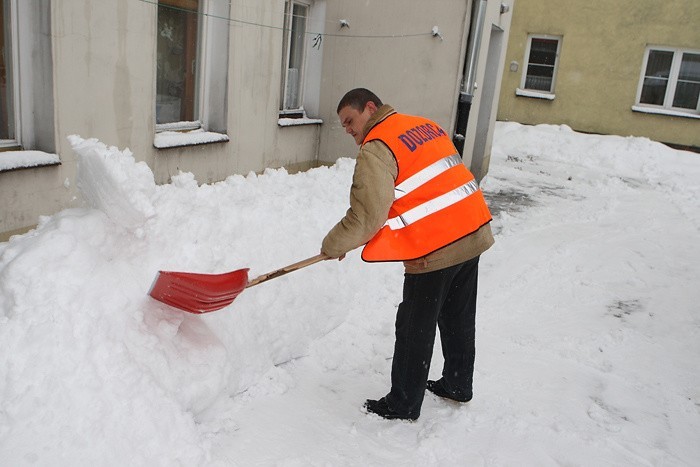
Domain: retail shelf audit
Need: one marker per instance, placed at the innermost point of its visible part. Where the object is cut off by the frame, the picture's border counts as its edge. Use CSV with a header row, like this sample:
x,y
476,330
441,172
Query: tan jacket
x,y
371,196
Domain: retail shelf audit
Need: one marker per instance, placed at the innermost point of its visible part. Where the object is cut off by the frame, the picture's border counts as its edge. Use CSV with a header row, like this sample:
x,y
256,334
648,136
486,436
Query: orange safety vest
x,y
436,198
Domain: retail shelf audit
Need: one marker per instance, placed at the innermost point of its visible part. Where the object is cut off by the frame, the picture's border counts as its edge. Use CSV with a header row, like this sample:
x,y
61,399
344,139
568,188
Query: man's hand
x,y
340,258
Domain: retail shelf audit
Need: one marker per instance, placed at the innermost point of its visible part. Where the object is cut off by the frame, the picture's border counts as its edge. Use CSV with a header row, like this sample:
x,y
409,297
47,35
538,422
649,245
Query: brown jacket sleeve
x,y
371,196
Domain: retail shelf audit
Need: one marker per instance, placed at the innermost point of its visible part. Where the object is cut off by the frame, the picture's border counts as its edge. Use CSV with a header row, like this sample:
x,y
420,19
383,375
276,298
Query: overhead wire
x,y
267,26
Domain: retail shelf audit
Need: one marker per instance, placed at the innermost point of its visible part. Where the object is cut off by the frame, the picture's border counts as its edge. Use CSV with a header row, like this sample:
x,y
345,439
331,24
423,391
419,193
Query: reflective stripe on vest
x,y
437,201
426,174
432,206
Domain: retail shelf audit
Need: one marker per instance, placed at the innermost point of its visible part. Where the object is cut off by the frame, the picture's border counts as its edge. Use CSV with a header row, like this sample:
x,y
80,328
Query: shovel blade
x,y
198,293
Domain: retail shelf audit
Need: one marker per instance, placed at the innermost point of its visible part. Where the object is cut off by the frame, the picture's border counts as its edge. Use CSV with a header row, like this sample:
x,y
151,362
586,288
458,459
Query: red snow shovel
x,y
202,293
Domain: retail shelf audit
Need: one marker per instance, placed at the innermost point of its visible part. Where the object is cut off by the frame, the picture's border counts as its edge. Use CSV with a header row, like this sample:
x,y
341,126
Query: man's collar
x,y
382,112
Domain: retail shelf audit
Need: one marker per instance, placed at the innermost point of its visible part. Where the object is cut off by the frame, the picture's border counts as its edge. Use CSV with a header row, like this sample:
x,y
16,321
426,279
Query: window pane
x,y
688,87
659,64
543,51
539,78
686,95
541,62
653,91
176,61
296,57
690,68
538,83
656,77
7,125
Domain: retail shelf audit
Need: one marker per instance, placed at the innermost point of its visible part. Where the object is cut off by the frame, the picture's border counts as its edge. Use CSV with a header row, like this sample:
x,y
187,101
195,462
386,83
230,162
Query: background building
x,y
628,67
218,87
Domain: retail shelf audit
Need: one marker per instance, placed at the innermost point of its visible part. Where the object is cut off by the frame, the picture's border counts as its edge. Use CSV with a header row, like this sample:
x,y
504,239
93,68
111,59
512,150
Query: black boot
x,y
382,409
437,388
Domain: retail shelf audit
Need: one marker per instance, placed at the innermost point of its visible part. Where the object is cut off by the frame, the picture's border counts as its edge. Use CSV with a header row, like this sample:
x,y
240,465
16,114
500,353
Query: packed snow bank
x,y
94,370
112,182
587,339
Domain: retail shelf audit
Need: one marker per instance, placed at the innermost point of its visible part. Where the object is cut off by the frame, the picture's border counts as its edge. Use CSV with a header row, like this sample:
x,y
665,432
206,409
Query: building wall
x,y
104,73
601,58
416,75
104,56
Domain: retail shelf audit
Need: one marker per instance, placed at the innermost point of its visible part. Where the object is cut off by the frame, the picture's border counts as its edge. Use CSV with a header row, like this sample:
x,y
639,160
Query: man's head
x,y
355,109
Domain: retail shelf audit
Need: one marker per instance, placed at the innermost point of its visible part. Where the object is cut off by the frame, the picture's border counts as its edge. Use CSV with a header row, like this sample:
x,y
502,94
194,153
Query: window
x,y
542,59
296,16
26,104
7,77
302,55
176,89
671,80
192,64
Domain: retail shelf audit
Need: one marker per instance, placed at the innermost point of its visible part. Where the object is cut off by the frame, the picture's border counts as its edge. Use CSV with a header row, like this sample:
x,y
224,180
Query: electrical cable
x,y
267,26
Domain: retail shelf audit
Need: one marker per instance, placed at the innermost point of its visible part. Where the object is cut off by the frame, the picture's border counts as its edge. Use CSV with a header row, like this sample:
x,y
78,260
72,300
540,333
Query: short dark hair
x,y
358,99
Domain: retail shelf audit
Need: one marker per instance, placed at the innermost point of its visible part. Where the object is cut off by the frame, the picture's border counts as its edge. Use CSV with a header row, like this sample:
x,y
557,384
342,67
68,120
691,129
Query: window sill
x,y
298,121
19,160
667,112
176,139
535,94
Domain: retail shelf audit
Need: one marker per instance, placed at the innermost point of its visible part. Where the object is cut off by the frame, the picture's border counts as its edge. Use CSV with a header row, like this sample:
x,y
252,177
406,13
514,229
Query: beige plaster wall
x,y
601,57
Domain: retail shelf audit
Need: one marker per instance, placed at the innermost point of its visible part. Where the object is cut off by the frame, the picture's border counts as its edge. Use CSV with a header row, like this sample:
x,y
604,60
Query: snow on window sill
x,y
174,139
17,160
670,113
179,126
535,94
298,121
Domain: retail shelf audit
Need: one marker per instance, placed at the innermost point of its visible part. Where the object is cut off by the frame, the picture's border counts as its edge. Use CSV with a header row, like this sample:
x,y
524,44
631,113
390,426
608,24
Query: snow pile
x,y
111,181
587,340
96,372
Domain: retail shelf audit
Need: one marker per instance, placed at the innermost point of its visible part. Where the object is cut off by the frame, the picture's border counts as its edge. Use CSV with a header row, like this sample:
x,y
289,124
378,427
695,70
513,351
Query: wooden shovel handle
x,y
287,269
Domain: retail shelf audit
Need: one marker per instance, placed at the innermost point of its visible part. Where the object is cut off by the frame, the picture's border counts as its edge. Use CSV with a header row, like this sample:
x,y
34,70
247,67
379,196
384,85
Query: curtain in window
x,y
177,60
540,69
656,77
294,73
7,125
688,86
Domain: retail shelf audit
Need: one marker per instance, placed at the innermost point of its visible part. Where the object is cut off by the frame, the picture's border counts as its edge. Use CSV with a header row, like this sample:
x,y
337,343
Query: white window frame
x,y
285,110
309,110
537,93
667,107
212,74
32,60
14,91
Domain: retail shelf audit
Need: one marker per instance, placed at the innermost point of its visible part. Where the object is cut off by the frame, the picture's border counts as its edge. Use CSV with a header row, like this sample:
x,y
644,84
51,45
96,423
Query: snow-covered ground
x,y
588,337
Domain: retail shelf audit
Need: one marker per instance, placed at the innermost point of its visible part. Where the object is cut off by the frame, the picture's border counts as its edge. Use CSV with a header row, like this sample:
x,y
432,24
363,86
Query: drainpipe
x,y
468,86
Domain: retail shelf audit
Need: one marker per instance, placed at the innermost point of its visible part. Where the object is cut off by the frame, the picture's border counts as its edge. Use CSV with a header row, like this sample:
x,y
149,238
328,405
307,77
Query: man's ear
x,y
371,106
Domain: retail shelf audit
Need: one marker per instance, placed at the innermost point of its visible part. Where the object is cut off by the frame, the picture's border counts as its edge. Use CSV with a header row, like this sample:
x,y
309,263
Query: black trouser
x,y
447,298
